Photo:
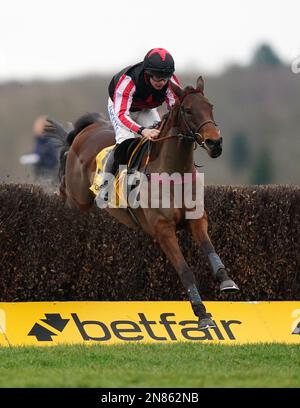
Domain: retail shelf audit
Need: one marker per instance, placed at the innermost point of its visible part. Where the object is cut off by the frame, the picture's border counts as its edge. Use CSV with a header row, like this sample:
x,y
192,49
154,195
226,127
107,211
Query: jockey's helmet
x,y
159,62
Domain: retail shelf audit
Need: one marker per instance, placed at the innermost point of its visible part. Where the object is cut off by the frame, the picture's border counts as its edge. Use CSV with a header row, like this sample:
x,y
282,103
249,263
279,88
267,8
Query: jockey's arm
x,y
122,103
170,95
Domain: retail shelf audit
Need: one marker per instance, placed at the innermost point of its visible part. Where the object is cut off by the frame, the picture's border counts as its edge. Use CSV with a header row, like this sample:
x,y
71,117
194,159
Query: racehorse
x,y
189,121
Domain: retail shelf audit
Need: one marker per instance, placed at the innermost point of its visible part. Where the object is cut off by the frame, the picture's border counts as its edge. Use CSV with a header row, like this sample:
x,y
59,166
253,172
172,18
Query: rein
x,y
192,134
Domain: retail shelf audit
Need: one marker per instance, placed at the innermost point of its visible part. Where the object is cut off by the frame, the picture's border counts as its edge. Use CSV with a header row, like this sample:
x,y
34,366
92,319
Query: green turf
x,y
136,365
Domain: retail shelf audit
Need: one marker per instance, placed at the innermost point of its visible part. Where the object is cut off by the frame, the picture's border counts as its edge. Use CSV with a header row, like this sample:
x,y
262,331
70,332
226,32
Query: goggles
x,y
159,76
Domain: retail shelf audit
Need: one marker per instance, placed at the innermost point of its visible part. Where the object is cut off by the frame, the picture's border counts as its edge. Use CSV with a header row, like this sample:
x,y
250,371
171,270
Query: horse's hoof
x,y
206,323
228,286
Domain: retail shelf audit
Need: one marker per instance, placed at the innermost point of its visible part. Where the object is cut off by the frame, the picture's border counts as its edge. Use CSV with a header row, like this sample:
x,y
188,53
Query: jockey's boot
x,y
110,167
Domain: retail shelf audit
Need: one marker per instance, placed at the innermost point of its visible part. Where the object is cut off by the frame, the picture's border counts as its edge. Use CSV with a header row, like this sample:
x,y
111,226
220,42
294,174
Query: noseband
x,y
194,134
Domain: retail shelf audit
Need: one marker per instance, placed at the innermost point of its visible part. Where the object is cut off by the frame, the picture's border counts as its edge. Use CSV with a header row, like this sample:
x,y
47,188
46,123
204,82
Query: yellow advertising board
x,y
52,323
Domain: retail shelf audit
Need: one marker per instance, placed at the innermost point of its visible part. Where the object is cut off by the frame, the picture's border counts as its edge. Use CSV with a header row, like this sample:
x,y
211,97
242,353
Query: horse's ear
x,y
176,89
200,84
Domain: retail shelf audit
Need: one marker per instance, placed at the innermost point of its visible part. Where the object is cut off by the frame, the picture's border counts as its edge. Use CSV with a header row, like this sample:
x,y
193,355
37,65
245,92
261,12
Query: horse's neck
x,y
175,154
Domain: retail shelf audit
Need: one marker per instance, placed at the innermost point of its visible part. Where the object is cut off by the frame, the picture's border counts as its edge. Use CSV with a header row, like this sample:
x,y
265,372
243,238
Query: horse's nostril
x,y
216,152
214,144
210,143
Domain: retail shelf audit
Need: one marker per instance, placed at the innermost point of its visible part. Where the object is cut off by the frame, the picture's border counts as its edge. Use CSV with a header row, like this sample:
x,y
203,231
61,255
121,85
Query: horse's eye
x,y
188,111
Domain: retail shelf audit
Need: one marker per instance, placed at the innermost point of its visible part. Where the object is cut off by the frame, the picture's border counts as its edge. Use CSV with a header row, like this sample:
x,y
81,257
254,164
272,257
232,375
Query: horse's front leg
x,y
166,236
200,235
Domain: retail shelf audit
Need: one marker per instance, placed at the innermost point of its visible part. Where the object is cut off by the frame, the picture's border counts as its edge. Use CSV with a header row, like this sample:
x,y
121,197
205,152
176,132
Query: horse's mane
x,y
189,89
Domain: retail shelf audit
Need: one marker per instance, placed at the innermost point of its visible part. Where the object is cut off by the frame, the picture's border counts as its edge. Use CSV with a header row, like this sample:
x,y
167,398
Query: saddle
x,y
129,153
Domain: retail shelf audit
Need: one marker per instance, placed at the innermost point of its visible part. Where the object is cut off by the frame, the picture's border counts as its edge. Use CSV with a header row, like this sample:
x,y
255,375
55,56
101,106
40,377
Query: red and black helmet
x,y
159,62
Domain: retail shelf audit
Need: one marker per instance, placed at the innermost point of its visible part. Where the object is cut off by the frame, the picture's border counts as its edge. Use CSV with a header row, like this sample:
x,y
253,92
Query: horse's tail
x,y
56,131
64,139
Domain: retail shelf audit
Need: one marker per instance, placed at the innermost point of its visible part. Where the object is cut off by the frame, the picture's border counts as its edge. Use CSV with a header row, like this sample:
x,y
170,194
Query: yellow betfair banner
x,y
46,323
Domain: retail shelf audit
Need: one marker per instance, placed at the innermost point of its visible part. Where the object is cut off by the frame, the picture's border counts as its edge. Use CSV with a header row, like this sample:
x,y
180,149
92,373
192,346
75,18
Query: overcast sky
x,y
63,38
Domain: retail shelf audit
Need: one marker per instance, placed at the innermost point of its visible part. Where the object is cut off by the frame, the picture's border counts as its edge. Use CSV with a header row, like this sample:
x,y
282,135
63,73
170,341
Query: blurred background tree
x,y
266,55
240,155
263,169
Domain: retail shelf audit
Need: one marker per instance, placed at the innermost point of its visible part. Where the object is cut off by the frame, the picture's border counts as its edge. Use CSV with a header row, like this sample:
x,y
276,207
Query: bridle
x,y
192,135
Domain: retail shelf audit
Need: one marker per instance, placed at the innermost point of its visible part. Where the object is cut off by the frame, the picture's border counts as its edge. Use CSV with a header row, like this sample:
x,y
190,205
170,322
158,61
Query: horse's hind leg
x,y
166,236
69,201
199,233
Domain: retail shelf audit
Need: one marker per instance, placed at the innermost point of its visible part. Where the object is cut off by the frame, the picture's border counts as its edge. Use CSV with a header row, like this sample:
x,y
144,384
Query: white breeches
x,y
144,118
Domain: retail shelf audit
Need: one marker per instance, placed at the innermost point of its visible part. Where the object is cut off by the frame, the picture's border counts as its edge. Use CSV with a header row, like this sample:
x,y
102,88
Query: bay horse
x,y
190,120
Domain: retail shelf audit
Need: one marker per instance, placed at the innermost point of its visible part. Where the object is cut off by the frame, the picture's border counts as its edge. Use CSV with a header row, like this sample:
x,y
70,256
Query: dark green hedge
x,y
48,252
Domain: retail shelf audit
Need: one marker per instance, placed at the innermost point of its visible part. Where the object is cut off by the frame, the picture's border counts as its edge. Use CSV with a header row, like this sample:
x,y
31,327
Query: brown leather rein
x,y
192,134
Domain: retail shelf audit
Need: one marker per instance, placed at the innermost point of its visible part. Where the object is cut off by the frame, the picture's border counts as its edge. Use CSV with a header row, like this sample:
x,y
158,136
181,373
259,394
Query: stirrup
x,y
102,196
103,191
105,188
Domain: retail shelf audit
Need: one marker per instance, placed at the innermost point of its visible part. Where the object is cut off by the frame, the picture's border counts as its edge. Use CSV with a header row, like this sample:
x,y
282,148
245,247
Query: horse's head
x,y
196,117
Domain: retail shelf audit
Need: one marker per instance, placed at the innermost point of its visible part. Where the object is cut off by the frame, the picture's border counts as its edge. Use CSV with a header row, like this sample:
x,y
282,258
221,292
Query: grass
x,y
135,365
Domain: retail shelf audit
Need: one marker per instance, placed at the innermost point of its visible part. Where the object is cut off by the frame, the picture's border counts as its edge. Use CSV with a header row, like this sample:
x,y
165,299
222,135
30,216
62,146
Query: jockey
x,y
134,94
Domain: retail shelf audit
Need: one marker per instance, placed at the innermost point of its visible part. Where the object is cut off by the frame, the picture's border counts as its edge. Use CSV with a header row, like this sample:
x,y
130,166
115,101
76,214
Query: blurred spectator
x,y
44,157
